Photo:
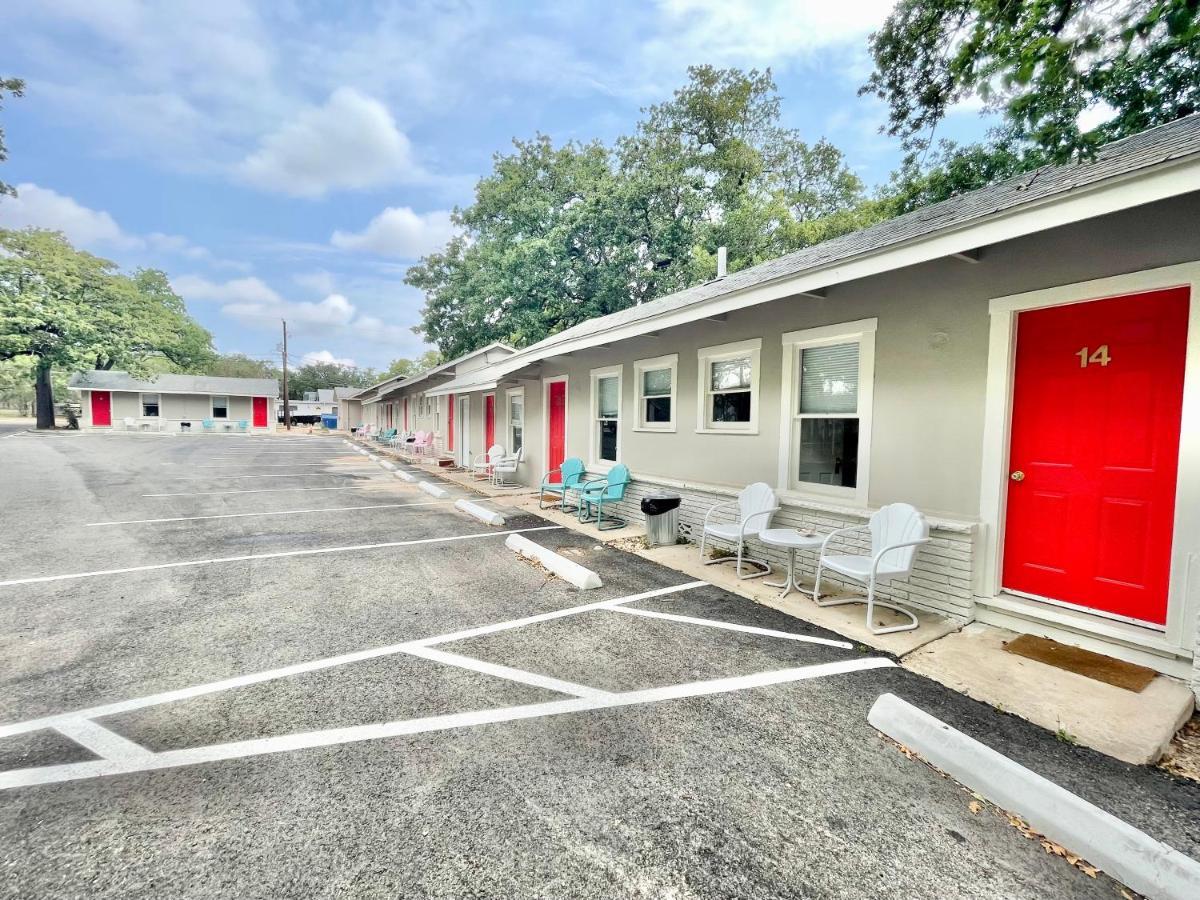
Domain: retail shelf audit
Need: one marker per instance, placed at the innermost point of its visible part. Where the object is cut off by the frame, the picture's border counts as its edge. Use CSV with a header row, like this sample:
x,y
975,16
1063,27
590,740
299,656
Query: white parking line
x,y
506,672
282,512
214,687
355,733
282,475
286,465
41,579
730,626
353,487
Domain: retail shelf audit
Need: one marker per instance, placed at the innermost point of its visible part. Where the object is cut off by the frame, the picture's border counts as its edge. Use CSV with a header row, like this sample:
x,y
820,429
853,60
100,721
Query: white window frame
x,y
508,400
707,355
670,361
861,332
142,405
212,407
594,460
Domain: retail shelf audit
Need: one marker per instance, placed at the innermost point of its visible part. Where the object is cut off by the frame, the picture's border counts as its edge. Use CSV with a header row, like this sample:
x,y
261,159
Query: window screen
x,y
829,379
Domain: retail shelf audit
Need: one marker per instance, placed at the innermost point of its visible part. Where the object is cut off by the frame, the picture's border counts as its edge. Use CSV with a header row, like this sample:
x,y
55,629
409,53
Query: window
x,y
220,407
728,388
150,406
516,419
656,393
606,415
829,374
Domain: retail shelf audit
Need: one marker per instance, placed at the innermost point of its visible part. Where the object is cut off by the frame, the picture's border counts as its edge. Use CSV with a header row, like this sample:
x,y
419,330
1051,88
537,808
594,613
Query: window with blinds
x,y
606,399
516,421
826,428
656,396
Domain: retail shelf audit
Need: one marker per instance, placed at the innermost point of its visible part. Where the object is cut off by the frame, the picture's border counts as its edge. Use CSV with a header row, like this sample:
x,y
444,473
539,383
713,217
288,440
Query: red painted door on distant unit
x,y
489,421
101,408
556,400
450,422
1097,399
259,412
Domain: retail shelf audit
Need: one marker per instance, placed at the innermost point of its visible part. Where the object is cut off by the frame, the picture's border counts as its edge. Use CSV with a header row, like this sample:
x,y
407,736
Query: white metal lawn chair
x,y
897,530
754,507
130,424
481,466
507,465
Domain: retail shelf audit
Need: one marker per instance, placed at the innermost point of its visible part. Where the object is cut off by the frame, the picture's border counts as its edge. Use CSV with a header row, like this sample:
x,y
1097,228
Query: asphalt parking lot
x,y
265,667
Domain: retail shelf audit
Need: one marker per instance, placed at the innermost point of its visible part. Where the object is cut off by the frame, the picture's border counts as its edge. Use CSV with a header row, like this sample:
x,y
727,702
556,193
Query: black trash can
x,y
662,517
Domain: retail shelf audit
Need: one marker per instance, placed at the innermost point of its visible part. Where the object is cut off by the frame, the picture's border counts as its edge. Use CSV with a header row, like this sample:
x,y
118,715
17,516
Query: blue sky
x,y
293,158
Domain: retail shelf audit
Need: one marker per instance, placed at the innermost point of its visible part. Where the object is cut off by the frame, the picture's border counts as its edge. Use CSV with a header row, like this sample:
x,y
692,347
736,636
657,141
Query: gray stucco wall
x,y
930,362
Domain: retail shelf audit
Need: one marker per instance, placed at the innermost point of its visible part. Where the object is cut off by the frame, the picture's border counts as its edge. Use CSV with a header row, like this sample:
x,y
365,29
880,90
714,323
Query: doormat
x,y
1082,662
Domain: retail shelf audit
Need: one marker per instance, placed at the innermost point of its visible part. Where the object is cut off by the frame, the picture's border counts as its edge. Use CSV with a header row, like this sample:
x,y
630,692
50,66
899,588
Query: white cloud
x,y
40,207
350,142
238,290
324,356
400,232
319,281
762,32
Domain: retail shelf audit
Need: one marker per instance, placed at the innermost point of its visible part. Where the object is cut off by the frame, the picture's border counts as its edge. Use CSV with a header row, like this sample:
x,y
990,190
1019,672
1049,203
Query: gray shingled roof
x,y
1157,145
175,384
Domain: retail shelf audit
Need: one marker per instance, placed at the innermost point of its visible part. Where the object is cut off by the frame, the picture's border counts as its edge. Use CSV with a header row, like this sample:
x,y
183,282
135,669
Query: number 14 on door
x,y
1098,357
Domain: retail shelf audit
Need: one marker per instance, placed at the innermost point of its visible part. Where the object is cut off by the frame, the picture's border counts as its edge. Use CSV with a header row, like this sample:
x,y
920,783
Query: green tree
x,y
1038,66
316,376
559,235
238,365
406,368
65,308
14,87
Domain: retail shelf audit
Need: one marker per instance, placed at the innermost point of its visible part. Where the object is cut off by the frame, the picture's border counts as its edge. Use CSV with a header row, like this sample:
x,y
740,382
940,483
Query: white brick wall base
x,y
942,575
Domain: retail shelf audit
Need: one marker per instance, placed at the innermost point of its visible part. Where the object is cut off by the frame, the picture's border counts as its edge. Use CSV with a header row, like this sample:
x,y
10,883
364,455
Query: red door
x,y
450,422
1095,448
101,408
489,421
557,441
259,412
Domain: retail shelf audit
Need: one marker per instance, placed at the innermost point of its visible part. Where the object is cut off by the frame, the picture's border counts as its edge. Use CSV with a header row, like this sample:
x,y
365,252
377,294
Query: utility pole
x,y
287,407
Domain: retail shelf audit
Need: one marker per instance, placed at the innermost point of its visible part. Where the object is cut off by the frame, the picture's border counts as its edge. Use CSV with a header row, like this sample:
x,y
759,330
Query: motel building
x,y
188,404
1021,363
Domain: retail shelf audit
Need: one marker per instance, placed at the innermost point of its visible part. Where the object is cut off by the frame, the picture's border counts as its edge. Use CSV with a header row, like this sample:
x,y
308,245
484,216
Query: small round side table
x,y
791,540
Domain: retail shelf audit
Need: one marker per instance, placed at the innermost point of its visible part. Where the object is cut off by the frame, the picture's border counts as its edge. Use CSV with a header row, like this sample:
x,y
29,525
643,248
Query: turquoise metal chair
x,y
243,425
208,424
571,478
594,494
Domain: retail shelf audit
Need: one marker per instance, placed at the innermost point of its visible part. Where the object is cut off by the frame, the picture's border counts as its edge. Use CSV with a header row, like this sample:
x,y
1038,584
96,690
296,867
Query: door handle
x,y
1017,475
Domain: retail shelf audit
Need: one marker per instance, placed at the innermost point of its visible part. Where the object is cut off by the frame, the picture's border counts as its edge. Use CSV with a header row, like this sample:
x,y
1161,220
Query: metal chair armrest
x,y
754,515
879,556
866,526
715,507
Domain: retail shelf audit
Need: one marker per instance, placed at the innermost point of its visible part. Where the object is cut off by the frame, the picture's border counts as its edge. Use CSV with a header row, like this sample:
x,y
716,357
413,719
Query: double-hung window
x,y
656,393
220,407
828,383
150,406
728,388
516,419
606,416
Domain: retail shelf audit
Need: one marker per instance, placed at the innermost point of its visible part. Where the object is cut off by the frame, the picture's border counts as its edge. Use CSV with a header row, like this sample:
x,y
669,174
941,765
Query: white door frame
x,y
462,423
1183,597
546,382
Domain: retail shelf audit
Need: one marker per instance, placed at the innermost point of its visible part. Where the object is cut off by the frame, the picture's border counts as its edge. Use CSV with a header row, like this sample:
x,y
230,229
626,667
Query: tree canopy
x,y
406,368
14,87
1064,76
238,365
560,234
66,308
316,376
